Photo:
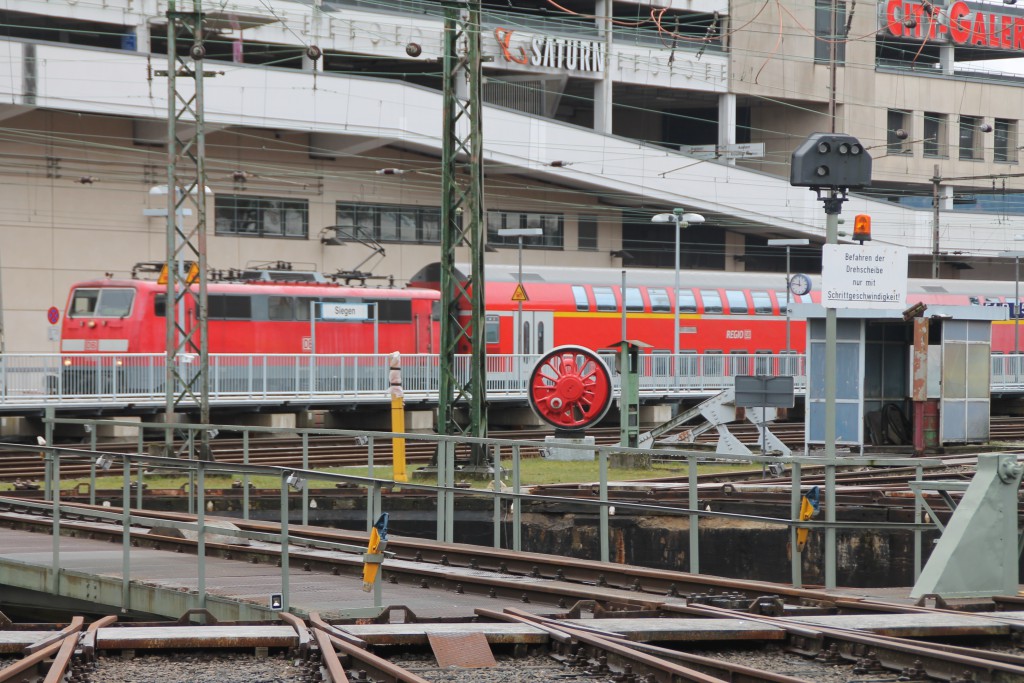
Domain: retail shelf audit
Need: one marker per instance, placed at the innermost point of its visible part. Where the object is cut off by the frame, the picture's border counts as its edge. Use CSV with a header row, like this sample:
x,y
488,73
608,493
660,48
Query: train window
x,y
302,306
762,303
224,307
737,302
280,308
659,300
580,295
634,300
102,303
392,310
540,337
687,301
526,338
605,299
712,300
491,330
83,302
160,306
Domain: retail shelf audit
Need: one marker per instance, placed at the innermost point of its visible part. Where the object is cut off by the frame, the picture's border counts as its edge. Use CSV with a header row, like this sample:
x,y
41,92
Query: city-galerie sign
x,y
959,24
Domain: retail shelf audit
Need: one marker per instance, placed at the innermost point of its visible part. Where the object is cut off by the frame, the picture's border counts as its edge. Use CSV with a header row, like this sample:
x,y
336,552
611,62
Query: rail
x,y
33,379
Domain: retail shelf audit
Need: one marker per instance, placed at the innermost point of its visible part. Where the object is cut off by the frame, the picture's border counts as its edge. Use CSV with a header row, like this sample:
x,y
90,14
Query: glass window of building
x,y
550,223
969,138
935,127
389,223
897,132
826,31
261,216
1005,141
587,233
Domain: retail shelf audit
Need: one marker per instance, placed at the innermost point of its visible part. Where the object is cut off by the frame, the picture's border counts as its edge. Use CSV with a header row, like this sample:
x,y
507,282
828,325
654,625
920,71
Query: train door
x,y
536,332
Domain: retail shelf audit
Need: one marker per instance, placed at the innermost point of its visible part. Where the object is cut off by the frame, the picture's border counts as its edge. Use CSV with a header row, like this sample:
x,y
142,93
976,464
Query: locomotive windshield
x,y
101,303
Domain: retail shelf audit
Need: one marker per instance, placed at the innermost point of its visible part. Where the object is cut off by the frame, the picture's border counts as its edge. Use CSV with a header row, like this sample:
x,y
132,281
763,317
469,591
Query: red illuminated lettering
x,y
957,30
1018,34
1005,28
894,17
979,34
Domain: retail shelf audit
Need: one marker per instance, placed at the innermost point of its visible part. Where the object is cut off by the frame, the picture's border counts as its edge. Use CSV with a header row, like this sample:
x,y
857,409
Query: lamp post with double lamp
x,y
788,244
520,233
681,220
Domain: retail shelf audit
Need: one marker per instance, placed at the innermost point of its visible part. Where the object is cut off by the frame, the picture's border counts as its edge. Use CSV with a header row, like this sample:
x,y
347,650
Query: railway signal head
x,y
830,160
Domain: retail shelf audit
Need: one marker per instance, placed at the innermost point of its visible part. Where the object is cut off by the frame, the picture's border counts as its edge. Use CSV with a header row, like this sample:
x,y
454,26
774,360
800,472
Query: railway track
x,y
331,451
560,591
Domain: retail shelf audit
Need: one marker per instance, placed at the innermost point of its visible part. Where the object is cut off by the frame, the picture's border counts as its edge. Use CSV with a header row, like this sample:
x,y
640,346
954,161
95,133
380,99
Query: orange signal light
x,y
862,227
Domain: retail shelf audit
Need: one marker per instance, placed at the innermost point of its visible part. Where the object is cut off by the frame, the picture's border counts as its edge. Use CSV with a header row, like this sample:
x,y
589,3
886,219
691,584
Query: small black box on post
x,y
830,160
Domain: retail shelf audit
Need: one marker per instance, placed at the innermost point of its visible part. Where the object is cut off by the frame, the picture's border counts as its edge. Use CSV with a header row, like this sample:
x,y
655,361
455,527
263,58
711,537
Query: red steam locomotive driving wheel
x,y
570,388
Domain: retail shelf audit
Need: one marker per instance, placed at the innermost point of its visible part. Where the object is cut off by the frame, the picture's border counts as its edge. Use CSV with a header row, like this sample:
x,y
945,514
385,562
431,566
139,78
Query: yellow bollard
x,y
808,509
375,552
397,417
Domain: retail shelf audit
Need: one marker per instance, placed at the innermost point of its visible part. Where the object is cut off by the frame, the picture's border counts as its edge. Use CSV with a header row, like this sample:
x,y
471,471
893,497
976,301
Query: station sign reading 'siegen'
x,y
959,24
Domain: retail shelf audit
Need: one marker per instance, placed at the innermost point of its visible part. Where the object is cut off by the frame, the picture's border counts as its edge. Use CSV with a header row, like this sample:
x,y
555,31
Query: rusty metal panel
x,y
919,361
463,650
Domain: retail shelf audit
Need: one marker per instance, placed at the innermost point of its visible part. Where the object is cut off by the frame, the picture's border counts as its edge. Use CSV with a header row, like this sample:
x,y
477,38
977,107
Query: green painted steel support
x,y
185,307
92,465
496,483
284,542
55,497
49,414
126,531
245,477
694,504
305,489
978,553
603,524
371,514
462,225
517,505
918,519
795,500
201,535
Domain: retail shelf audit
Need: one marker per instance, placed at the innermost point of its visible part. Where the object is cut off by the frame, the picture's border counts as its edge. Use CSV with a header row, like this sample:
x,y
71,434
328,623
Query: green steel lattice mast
x,y
462,223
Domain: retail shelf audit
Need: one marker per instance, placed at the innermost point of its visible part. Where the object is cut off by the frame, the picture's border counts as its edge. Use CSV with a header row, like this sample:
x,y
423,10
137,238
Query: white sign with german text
x,y
336,311
854,276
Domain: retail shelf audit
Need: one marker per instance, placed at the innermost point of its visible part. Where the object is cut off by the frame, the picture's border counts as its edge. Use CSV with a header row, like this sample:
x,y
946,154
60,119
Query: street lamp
x,y
788,243
520,233
681,220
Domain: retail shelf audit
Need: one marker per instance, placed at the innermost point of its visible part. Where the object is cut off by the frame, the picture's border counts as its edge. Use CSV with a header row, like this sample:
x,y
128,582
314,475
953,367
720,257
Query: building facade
x,y
598,115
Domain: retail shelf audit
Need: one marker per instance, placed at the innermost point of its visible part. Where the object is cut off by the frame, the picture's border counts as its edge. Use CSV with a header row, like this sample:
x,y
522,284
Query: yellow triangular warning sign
x,y
520,293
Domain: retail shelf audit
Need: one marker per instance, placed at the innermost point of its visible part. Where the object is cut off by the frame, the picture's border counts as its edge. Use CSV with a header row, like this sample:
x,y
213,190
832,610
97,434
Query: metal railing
x,y
504,455
35,379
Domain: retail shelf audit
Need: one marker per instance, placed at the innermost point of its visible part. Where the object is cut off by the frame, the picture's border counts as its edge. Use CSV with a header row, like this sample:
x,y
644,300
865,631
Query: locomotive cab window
x,y
101,303
712,301
605,298
737,301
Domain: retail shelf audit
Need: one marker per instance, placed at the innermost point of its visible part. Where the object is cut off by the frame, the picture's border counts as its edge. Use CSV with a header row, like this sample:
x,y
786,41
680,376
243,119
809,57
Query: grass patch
x,y
532,471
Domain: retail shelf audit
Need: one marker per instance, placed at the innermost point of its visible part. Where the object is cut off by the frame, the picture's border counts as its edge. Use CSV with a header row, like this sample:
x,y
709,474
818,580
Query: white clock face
x,y
799,284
